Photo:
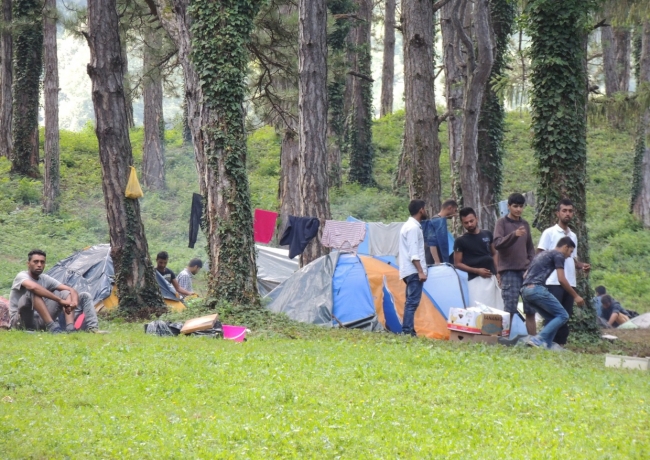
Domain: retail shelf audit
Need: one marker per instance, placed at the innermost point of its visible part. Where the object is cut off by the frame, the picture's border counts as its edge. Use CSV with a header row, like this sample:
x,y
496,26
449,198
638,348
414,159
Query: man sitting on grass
x,y
538,296
612,312
37,300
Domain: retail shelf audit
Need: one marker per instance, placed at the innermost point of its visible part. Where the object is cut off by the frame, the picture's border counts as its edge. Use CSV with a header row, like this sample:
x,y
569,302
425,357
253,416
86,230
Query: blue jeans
x,y
549,308
413,297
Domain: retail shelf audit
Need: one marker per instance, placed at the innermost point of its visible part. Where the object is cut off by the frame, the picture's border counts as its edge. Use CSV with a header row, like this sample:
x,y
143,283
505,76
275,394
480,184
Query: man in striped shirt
x,y
184,278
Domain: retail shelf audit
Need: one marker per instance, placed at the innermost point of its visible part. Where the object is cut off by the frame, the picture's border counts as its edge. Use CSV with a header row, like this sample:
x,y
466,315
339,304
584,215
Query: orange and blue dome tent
x,y
353,291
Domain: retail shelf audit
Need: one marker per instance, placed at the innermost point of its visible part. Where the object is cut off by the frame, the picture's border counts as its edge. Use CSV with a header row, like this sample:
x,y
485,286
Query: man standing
x,y
412,267
539,297
161,265
435,234
547,242
37,299
516,251
474,251
184,278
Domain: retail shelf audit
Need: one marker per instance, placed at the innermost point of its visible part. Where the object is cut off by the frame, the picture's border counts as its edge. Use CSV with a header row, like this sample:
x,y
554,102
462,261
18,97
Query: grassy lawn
x,y
334,395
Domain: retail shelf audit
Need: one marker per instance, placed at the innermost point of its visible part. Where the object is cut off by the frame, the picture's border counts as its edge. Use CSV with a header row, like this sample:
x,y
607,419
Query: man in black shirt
x,y
537,295
474,252
161,265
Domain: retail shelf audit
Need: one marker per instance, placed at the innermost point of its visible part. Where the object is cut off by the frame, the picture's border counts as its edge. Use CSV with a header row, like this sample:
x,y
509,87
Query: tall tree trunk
x,y
641,183
609,60
388,67
187,132
203,34
51,95
359,119
478,74
492,119
312,117
454,92
137,288
622,39
153,153
420,156
290,172
28,65
126,78
6,80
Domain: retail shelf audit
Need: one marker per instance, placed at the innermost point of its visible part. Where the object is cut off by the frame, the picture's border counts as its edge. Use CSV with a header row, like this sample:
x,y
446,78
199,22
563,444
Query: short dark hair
x,y
415,206
600,290
565,241
606,300
564,202
516,198
195,263
162,255
466,212
448,204
36,252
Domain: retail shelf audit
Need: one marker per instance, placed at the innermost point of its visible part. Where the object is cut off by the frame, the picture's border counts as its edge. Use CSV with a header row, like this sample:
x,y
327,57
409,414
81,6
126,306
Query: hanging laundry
x,y
436,235
384,238
364,247
503,208
345,236
298,233
264,225
195,218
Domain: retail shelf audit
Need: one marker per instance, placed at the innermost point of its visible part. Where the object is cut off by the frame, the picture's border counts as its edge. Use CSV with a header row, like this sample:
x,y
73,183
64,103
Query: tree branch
x,y
360,75
439,4
467,43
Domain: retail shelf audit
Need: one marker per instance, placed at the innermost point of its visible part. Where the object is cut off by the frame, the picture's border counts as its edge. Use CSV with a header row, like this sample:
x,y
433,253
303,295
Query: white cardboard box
x,y
470,320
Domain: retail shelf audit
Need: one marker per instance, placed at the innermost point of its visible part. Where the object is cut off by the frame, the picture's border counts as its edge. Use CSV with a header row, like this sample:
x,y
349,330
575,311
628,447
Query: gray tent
x,y
273,267
642,321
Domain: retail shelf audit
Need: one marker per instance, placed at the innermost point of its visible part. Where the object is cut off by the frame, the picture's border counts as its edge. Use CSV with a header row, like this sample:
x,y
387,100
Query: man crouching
x,y
37,299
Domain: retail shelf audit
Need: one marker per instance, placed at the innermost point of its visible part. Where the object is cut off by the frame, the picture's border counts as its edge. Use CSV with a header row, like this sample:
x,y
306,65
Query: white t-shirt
x,y
548,241
411,247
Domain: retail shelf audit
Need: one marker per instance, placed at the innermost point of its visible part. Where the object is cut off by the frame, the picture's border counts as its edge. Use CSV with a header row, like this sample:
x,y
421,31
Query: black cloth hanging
x,y
195,217
298,233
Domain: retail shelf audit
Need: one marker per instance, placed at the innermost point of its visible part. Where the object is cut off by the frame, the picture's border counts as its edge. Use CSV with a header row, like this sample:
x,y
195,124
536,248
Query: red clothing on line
x,y
264,225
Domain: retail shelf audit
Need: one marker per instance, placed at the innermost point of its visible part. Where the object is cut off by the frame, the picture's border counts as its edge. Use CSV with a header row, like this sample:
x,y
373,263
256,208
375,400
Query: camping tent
x,y
91,270
273,267
347,290
642,321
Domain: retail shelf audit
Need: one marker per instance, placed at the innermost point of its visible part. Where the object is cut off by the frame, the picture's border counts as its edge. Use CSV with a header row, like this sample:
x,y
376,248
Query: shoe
x,y
535,342
94,330
56,330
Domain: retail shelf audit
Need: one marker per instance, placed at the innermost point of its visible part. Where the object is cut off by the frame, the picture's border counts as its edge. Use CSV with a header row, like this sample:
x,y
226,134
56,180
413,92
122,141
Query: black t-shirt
x,y
477,251
542,266
168,275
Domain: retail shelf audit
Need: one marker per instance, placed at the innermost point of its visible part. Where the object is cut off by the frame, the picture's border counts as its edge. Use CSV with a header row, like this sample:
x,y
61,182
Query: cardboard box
x,y
627,362
475,321
455,336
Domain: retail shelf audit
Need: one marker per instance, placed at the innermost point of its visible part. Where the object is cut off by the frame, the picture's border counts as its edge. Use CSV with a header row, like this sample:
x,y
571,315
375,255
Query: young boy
x,y
538,296
514,244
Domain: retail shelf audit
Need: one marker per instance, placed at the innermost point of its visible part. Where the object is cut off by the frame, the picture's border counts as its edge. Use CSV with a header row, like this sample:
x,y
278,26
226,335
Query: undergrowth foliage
x,y
559,97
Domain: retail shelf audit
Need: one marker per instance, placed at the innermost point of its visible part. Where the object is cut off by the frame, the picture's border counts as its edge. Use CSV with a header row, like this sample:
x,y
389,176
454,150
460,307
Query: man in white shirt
x,y
547,242
412,265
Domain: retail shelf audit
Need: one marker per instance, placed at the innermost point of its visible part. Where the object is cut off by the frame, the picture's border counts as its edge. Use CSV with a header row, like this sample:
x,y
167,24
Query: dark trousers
x,y
413,297
567,302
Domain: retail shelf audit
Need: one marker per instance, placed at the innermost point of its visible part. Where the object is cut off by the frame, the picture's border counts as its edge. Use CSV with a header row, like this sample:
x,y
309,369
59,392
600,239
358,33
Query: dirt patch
x,y
634,342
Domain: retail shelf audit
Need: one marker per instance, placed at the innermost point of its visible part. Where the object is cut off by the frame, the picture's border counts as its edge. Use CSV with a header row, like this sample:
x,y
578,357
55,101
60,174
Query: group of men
x,y
37,300
545,277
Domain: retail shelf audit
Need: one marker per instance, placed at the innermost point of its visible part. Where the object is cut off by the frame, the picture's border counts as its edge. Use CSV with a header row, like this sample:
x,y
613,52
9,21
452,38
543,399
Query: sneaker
x,y
94,330
535,342
56,330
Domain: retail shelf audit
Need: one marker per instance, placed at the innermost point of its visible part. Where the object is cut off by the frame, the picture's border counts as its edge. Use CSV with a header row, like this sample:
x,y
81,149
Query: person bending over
x,y
161,265
541,299
37,300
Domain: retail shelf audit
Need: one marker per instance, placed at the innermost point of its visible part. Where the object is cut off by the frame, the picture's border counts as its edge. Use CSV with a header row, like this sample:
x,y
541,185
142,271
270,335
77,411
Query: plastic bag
x,y
133,189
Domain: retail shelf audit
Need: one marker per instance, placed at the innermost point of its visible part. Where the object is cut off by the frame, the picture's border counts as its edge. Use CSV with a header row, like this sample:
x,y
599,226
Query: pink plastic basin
x,y
236,333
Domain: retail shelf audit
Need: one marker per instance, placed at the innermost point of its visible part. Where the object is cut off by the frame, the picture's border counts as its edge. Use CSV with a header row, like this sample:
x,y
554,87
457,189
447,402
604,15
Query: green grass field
x,y
336,395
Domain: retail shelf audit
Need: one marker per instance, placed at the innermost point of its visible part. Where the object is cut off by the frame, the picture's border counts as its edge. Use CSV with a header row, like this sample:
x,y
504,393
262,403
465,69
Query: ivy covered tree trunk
x,y
6,81
28,65
211,39
137,287
358,130
558,101
153,152
420,157
388,67
492,120
641,181
312,117
51,95
187,132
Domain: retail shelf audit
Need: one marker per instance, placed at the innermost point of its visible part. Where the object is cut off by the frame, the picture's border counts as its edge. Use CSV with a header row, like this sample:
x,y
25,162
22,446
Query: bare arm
x,y
418,266
37,289
568,288
458,263
434,254
179,289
